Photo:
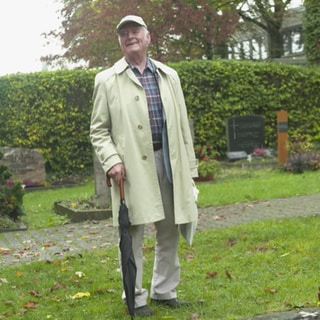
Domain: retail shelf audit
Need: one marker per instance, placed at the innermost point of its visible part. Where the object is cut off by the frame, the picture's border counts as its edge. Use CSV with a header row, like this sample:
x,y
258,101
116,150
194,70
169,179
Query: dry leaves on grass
x,y
270,290
222,217
49,244
30,305
4,251
211,274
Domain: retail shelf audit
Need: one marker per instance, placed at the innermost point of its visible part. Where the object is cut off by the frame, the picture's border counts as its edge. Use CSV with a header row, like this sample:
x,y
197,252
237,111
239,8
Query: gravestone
x,y
102,192
245,133
24,164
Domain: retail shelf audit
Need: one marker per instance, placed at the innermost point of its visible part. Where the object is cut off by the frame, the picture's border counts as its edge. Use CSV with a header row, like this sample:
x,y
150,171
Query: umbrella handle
x,y
121,188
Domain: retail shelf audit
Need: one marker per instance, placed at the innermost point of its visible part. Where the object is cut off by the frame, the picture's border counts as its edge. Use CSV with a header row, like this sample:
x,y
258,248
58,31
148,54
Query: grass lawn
x,y
227,274
231,186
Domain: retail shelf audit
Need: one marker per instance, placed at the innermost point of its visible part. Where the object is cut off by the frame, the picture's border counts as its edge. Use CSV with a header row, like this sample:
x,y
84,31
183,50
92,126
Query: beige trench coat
x,y
120,132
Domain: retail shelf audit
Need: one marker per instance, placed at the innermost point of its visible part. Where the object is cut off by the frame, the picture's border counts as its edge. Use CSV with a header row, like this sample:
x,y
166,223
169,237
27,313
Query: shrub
x,y
11,195
302,155
208,167
299,162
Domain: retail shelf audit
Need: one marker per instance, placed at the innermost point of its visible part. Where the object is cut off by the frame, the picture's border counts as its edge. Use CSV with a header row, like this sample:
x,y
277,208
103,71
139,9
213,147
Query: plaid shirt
x,y
150,84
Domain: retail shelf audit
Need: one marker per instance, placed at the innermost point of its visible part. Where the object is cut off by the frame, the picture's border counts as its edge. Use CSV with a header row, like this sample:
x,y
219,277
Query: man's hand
x,y
117,172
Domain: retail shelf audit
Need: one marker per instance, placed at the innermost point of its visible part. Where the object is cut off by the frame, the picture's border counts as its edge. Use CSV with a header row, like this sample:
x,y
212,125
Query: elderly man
x,y
141,135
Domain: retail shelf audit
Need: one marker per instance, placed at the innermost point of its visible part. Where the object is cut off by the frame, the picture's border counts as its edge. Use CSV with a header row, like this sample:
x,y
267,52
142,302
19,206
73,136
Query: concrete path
x,y
30,245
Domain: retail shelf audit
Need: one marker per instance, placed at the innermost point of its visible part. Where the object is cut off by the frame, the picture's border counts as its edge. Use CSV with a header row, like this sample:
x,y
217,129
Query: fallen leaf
x,y
219,218
261,248
49,244
102,291
102,245
85,237
231,242
80,274
194,316
4,251
110,290
285,254
35,293
189,257
270,290
228,274
148,249
19,274
80,295
30,305
211,274
56,286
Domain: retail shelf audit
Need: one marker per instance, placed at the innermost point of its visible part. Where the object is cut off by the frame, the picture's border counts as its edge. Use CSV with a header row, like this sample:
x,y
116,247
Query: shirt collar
x,y
150,65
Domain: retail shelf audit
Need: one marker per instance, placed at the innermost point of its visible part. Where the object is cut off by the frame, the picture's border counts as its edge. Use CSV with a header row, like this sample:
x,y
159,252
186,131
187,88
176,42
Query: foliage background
x,y
311,30
50,111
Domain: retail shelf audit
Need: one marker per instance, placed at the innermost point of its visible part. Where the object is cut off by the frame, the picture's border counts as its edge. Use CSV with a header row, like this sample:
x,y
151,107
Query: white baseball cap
x,y
131,18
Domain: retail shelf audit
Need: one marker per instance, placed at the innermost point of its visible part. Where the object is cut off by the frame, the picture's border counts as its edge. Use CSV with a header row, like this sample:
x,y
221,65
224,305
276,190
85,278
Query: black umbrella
x,y
128,264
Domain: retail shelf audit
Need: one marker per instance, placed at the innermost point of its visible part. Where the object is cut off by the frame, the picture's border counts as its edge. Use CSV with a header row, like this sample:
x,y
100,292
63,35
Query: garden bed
x,y
81,214
254,165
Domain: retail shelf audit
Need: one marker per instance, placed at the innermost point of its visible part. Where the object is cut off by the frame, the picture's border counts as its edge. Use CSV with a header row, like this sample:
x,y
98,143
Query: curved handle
x,y
121,190
108,181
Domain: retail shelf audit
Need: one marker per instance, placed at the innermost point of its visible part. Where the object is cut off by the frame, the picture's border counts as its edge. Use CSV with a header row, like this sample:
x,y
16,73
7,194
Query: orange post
x,y
282,121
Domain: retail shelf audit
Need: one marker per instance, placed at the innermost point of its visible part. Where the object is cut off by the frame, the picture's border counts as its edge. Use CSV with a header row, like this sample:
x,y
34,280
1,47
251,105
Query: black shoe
x,y
143,311
171,303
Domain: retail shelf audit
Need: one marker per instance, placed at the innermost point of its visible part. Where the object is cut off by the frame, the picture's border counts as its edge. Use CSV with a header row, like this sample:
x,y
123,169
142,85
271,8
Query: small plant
x,y
302,161
302,155
11,195
206,153
259,152
208,161
208,167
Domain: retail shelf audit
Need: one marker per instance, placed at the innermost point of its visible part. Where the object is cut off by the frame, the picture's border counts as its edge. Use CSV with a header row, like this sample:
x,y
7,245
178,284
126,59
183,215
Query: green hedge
x,y
50,111
217,90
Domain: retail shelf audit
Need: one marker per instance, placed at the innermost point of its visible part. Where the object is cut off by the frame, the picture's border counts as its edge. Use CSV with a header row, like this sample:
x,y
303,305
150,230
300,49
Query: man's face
x,y
133,39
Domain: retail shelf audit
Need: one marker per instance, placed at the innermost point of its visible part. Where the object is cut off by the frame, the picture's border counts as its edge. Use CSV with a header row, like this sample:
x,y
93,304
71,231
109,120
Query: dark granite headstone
x,y
245,133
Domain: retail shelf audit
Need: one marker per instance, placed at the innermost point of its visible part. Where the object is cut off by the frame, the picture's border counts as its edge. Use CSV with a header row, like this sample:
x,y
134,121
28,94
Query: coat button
x,y
144,157
136,98
140,126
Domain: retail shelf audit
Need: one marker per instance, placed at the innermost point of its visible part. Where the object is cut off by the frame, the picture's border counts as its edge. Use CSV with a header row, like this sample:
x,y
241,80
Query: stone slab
x,y
25,164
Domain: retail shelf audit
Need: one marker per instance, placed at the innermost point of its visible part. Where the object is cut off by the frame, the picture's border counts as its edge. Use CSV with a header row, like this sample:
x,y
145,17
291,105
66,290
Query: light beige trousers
x,y
166,268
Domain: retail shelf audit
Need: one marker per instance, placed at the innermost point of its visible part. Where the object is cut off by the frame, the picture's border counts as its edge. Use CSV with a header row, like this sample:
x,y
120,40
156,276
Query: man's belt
x,y
157,146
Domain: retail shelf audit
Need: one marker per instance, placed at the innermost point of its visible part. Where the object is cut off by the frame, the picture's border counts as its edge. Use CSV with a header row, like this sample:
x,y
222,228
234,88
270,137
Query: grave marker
x,y
24,164
102,192
245,133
